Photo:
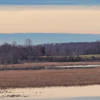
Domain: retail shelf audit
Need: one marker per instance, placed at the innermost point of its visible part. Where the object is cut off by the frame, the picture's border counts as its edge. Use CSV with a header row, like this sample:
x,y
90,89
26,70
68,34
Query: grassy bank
x,y
42,78
42,65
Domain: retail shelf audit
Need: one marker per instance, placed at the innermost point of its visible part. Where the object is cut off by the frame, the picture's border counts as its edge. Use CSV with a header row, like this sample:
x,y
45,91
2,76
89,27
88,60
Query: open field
x,y
42,78
42,65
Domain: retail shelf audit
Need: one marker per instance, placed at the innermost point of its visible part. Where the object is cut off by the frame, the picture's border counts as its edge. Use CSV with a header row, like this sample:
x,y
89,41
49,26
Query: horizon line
x,y
50,33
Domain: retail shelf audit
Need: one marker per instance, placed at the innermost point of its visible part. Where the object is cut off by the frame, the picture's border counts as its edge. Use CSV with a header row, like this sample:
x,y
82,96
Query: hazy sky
x,y
50,16
50,19
41,38
50,2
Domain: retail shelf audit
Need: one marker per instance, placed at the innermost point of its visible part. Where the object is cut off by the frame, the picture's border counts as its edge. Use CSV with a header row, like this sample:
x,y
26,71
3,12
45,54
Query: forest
x,y
55,52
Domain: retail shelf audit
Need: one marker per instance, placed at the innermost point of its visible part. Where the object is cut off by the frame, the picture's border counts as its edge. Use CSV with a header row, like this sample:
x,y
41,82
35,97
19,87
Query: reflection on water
x,y
52,93
78,66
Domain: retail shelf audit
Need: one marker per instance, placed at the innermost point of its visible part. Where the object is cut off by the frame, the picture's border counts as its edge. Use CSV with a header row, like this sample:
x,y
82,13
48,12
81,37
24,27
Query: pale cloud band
x,y
50,19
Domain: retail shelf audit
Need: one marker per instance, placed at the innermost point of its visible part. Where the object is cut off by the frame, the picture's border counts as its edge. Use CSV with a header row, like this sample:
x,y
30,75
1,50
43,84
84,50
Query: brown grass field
x,y
43,78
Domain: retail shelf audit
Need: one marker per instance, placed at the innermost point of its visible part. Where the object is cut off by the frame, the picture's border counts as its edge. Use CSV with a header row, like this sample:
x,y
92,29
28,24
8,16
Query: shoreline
x,y
51,92
43,65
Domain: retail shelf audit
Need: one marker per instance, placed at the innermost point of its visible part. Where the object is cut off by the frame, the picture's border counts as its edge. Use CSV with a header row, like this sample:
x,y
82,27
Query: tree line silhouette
x,y
55,52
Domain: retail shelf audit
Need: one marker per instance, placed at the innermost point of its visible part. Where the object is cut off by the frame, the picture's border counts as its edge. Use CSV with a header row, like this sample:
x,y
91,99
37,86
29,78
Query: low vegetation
x,y
43,78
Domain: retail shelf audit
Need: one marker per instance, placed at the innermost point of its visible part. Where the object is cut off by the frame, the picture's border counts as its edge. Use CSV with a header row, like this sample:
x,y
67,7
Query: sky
x,y
50,16
63,19
42,38
49,2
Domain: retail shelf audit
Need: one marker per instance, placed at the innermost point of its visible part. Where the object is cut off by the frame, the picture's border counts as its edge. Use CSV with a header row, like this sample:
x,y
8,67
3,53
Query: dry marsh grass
x,y
42,78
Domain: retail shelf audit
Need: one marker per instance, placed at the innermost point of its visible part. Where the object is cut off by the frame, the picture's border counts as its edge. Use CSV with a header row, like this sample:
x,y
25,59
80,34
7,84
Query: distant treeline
x,y
13,53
